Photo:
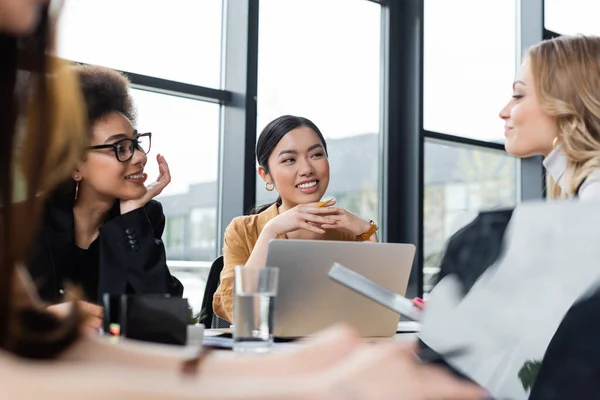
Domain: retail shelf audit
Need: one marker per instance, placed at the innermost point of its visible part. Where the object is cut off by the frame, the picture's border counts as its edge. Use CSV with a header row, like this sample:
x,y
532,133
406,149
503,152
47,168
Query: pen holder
x,y
151,318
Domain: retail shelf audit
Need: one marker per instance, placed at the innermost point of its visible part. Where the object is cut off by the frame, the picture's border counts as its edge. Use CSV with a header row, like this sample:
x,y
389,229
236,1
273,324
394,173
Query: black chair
x,y
207,316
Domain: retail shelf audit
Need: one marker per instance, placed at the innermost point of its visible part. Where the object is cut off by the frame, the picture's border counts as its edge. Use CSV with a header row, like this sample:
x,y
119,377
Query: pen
x,y
427,355
324,203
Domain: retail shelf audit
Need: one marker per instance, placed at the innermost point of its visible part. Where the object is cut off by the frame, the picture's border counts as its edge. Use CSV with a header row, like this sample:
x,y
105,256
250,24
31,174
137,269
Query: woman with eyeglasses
x,y
102,230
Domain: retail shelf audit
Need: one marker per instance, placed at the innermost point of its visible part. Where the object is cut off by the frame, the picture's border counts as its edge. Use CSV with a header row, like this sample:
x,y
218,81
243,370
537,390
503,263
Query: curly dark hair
x,y
105,90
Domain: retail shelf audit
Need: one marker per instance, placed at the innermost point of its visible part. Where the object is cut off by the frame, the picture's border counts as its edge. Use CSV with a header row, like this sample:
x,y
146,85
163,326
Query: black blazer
x,y
571,366
132,254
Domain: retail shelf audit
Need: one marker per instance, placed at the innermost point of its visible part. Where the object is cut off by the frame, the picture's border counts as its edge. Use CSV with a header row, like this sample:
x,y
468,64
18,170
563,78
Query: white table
x,y
403,337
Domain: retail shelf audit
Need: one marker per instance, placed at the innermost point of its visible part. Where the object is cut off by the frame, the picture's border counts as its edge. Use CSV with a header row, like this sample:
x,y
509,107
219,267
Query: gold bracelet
x,y
366,235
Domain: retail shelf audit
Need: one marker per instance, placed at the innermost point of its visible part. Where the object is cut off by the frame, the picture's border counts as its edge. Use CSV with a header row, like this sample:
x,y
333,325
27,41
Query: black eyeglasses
x,y
125,148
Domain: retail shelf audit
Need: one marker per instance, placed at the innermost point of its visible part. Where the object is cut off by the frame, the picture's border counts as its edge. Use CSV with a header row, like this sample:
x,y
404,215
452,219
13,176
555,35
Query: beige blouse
x,y
240,237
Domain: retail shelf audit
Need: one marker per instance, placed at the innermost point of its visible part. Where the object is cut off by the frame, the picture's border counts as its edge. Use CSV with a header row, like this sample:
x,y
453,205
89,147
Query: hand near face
x,y
153,190
309,217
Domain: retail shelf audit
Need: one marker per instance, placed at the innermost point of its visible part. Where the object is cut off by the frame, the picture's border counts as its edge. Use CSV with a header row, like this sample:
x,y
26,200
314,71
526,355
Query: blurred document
x,y
507,319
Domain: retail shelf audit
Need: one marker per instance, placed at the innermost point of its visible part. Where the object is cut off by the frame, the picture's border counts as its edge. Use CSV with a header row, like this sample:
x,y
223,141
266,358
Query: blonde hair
x,y
43,136
566,74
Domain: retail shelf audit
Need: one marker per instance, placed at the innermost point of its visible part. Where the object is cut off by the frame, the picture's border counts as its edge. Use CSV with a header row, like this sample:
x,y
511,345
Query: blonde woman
x,y
50,121
555,112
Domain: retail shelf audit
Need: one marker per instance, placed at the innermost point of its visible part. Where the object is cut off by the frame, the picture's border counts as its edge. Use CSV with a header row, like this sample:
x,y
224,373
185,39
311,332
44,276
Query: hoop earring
x,y
555,142
76,190
269,188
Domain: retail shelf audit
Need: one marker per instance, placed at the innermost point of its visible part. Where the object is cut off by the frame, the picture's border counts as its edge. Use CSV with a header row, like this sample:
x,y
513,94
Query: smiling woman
x,y
102,229
292,157
555,112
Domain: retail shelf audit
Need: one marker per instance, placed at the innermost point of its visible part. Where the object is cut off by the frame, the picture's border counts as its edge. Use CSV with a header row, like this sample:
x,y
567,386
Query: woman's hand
x,y
344,220
94,313
164,178
342,365
419,303
304,216
391,370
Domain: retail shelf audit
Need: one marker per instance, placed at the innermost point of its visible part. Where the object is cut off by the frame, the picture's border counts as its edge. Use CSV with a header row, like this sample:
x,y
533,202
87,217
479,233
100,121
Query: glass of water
x,y
253,308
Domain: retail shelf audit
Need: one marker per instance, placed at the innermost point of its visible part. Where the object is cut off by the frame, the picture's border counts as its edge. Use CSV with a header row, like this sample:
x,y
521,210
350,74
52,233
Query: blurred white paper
x,y
551,258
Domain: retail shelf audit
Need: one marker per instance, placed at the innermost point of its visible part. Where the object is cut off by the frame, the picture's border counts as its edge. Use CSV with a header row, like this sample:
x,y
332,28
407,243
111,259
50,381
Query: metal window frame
x,y
402,132
443,137
180,89
402,138
237,177
530,31
151,83
404,135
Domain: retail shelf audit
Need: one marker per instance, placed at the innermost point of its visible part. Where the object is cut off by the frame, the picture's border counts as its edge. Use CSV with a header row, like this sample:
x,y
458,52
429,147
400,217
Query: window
x,y
469,66
572,17
186,133
460,181
175,238
331,76
178,40
204,228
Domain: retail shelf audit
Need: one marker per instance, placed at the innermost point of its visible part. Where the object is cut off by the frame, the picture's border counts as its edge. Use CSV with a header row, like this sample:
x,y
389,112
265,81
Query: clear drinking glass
x,y
253,308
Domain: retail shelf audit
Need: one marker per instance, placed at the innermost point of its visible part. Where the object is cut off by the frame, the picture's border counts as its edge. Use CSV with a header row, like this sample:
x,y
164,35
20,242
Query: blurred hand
x,y
304,216
94,313
419,303
153,190
390,370
339,365
312,356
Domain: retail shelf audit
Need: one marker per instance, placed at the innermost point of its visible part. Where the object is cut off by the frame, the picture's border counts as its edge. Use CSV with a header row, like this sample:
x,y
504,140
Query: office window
x,y
572,17
175,238
332,77
178,40
204,228
469,66
460,181
186,133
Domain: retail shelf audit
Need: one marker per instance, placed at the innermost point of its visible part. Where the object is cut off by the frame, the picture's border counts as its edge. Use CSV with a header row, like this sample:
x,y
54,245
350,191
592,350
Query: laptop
x,y
308,301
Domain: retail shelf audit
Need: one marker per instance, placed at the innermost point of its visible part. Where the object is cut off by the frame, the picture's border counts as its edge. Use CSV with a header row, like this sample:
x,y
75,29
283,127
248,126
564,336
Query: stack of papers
x,y
408,326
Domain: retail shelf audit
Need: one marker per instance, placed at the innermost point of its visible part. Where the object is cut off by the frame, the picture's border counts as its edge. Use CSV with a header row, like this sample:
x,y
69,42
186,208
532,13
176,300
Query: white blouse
x,y
556,165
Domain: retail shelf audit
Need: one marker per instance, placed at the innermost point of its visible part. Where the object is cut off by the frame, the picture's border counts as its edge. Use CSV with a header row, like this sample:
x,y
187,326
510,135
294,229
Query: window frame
x,y
405,135
402,136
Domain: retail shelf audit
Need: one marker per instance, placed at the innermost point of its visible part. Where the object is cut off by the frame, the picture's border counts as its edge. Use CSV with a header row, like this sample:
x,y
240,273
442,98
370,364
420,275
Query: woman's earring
x,y
76,190
554,142
269,188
